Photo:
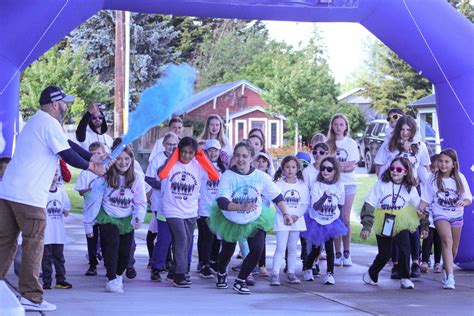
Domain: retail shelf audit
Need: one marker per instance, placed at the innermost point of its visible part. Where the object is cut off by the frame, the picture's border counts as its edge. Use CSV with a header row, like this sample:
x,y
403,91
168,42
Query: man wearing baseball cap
x,y
24,190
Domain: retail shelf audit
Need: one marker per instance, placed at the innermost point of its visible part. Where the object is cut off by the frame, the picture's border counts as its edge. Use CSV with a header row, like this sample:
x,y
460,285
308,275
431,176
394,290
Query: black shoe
x,y
47,286
92,271
395,275
131,273
155,275
241,287
415,270
63,285
222,281
316,271
213,266
180,281
206,272
187,276
170,276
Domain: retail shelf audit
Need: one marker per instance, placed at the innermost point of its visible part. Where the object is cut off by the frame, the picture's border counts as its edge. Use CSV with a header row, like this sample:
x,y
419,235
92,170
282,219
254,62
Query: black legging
x,y
115,249
432,239
263,258
216,248
315,251
256,244
92,246
150,243
205,241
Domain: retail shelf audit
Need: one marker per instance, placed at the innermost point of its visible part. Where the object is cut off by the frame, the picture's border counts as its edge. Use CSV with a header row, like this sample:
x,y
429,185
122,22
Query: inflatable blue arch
x,y
431,36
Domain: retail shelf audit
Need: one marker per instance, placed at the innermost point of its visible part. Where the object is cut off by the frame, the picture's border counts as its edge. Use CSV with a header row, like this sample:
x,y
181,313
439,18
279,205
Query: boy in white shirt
x,y
55,236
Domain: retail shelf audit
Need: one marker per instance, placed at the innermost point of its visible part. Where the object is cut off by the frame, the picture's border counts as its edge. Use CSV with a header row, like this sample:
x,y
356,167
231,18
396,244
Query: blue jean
x,y
162,245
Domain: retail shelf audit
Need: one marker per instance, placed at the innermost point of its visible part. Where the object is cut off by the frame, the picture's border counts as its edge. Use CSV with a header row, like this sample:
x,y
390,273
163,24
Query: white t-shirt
x,y
157,148
392,196
208,194
29,174
346,150
58,202
443,203
384,157
92,137
181,190
296,197
242,189
329,211
152,172
85,180
310,174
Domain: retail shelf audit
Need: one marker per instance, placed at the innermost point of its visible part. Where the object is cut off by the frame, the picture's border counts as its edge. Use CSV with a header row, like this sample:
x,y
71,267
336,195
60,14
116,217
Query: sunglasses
x,y
99,117
393,117
326,168
397,169
319,152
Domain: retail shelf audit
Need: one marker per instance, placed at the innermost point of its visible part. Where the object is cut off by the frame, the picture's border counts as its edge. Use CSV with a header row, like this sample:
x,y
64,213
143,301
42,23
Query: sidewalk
x,y
349,296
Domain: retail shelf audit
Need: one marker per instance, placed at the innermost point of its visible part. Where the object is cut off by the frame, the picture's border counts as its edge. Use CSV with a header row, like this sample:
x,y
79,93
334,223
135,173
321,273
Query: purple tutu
x,y
318,234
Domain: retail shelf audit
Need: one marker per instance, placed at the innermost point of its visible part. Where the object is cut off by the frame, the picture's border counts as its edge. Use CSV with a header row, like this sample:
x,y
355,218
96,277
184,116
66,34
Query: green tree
x,y
466,7
67,69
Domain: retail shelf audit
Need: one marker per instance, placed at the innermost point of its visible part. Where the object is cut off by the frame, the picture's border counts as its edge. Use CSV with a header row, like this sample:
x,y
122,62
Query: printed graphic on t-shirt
x,y
54,209
410,156
212,186
121,197
328,212
182,185
342,155
447,199
244,195
392,202
292,198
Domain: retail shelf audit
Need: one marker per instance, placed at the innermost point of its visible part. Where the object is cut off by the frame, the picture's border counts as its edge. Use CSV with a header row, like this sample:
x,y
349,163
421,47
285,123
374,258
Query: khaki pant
x,y
31,221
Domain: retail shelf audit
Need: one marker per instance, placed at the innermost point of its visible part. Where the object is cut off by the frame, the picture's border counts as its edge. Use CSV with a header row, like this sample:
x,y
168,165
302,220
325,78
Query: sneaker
x,y
119,279
250,280
338,260
213,266
292,279
170,276
180,281
187,276
308,275
114,286
221,281
47,286
92,271
63,285
424,267
131,273
449,284
395,275
241,287
44,306
285,269
444,275
199,267
406,284
256,271
415,270
206,272
437,268
236,268
263,272
322,255
329,279
155,275
316,271
275,280
347,260
368,279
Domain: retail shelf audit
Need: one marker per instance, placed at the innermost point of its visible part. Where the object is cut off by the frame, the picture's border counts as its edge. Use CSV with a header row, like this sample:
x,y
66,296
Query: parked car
x,y
374,137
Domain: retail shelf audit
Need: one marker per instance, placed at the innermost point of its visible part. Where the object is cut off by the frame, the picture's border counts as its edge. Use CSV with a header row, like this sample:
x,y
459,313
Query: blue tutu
x,y
318,234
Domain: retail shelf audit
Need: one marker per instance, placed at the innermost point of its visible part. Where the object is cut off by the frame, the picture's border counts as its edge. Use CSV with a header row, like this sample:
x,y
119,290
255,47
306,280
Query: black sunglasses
x,y
98,117
319,152
394,117
326,168
397,169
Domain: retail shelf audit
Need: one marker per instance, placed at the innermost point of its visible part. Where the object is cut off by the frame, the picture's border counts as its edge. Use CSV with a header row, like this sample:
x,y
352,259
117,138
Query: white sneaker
x,y
308,275
329,279
449,284
44,306
119,279
114,286
443,276
347,261
275,280
367,279
292,279
406,284
338,261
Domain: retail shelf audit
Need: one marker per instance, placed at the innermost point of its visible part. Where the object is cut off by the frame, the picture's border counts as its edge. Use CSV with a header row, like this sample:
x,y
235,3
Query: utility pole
x,y
122,66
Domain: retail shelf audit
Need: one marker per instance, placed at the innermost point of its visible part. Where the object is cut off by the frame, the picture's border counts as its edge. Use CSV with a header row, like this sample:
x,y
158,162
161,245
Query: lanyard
x,y
395,197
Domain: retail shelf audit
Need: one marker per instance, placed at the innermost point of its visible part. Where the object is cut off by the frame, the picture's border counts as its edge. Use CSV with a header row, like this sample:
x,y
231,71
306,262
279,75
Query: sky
x,y
344,42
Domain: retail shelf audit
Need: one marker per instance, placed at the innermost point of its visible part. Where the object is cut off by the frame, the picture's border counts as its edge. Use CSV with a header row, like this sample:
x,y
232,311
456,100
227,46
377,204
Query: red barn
x,y
241,106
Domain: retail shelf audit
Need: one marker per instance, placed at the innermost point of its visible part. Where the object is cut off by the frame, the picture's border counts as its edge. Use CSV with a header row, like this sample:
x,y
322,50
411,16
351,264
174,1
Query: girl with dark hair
x,y
323,220
118,204
448,193
240,215
182,177
296,195
390,211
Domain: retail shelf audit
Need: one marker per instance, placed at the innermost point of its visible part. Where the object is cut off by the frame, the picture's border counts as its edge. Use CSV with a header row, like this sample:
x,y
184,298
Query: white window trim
x,y
236,136
266,128
278,142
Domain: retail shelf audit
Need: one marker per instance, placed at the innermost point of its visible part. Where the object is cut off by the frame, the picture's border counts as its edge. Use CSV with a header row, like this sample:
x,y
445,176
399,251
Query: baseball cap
x,y
213,143
303,158
264,155
54,93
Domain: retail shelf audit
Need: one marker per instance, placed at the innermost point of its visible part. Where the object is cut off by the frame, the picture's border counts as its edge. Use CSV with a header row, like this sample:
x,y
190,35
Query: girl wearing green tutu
x,y
390,211
239,214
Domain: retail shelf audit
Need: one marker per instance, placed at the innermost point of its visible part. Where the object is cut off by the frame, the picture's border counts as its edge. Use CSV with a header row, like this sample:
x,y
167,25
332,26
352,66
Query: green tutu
x,y
405,219
232,232
123,224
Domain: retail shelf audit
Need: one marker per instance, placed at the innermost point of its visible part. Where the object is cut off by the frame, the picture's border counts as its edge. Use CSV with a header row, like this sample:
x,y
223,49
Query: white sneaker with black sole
x,y
406,284
329,279
44,306
308,275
